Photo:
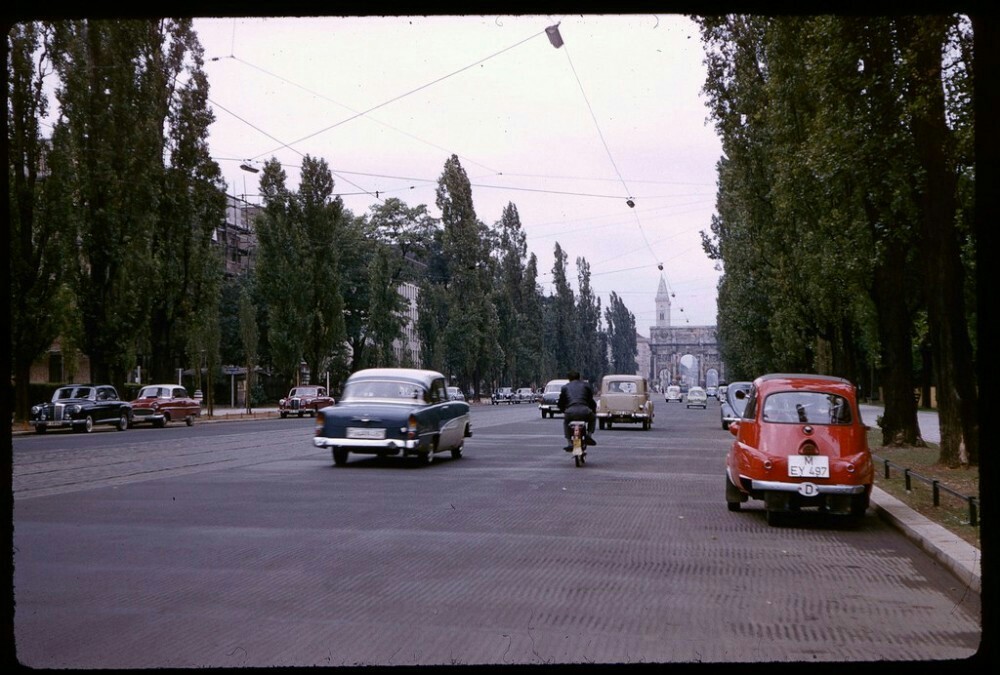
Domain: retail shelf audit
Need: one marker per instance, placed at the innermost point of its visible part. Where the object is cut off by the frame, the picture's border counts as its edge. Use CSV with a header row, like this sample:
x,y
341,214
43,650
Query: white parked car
x,y
673,393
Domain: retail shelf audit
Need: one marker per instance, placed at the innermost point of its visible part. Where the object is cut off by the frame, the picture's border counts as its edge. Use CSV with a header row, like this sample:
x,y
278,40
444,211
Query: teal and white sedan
x,y
394,411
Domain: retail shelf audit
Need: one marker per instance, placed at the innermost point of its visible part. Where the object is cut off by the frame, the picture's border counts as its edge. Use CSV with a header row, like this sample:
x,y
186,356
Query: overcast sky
x,y
568,135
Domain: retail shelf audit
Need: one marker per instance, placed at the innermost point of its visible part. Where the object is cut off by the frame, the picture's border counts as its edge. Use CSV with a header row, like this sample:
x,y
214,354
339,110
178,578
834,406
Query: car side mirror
x,y
734,428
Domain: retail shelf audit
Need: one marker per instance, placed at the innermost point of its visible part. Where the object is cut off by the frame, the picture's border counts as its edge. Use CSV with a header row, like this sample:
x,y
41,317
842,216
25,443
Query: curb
x,y
957,555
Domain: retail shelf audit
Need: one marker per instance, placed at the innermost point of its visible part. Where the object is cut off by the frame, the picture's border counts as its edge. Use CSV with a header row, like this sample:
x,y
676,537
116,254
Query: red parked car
x,y
304,400
800,444
160,404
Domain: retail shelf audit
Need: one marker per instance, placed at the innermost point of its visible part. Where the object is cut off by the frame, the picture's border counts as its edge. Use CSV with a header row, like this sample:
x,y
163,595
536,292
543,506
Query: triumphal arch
x,y
684,355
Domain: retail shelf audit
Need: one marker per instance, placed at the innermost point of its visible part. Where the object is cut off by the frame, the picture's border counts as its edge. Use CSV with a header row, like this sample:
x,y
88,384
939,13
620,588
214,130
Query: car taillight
x,y
320,422
411,427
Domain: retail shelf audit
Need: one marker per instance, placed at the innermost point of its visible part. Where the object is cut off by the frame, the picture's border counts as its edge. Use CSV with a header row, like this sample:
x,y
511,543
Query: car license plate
x,y
367,434
808,466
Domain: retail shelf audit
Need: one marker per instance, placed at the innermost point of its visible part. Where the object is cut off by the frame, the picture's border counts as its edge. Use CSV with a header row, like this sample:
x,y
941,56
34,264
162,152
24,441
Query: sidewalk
x,y
959,556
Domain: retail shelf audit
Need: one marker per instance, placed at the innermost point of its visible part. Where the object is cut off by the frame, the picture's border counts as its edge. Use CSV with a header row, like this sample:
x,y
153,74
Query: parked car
x,y
549,405
455,394
160,404
673,393
502,395
304,400
524,395
800,443
624,398
733,402
394,411
81,407
696,398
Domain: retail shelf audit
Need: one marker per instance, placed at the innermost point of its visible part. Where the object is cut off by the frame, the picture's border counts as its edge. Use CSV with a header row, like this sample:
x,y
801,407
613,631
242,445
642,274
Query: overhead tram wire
x,y
300,154
401,96
317,94
557,43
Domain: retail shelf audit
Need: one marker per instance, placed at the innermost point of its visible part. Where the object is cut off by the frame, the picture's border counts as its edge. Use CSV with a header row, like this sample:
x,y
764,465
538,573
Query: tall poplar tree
x,y
41,306
590,339
470,342
115,90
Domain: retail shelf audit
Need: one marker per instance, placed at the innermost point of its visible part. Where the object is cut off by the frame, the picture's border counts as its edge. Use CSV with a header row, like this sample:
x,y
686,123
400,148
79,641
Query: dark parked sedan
x,y
81,407
394,411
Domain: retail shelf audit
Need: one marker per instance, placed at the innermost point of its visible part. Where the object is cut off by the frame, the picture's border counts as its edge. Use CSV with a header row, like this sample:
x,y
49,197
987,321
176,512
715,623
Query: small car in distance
x,y
549,405
81,407
733,402
696,398
624,398
673,393
712,392
160,404
455,394
394,411
304,400
800,443
502,395
524,395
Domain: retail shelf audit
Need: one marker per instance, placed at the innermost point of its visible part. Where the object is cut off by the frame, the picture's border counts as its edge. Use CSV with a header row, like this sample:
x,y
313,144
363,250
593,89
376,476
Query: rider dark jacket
x,y
577,397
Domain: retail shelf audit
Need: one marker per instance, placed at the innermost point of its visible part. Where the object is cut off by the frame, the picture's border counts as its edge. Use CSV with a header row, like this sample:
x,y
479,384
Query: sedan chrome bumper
x,y
367,445
781,486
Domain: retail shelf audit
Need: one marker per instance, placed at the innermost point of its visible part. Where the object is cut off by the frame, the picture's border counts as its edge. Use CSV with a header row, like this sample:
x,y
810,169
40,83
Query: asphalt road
x,y
238,544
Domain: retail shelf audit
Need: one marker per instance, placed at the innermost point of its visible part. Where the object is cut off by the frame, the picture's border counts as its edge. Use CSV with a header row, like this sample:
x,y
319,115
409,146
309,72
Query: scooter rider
x,y
576,403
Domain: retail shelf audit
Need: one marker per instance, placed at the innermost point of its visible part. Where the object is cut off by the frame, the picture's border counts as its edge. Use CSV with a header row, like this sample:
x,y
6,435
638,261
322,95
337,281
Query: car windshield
x,y
553,388
149,392
806,407
390,389
304,391
71,392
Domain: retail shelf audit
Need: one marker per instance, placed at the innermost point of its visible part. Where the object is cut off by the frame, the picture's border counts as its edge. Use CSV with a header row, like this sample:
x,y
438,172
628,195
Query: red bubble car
x,y
800,444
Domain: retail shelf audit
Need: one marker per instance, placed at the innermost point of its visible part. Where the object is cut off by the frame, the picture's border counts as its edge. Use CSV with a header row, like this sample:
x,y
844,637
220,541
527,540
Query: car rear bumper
x,y
374,447
818,488
623,416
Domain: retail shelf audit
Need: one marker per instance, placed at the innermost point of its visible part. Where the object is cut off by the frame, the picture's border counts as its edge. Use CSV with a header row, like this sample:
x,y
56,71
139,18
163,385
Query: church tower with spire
x,y
662,304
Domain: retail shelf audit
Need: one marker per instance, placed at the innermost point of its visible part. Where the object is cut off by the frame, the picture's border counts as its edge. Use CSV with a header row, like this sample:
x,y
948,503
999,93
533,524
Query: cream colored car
x,y
624,399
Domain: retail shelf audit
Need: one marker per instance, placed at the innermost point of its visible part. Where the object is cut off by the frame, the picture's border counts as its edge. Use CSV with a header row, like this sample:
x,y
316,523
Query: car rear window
x,y
384,389
806,407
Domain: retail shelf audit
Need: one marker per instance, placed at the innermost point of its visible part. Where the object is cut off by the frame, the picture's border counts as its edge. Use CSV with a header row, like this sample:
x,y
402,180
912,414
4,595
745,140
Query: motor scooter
x,y
579,441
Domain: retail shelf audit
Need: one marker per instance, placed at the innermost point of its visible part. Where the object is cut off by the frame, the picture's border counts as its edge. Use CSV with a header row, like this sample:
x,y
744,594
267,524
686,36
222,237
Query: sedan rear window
x,y
366,389
806,407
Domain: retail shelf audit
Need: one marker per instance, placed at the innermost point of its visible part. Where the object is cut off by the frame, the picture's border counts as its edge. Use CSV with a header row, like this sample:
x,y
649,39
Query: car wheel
x,y
283,414
88,424
339,456
122,422
189,420
41,429
300,414
733,496
600,424
456,452
725,425
775,518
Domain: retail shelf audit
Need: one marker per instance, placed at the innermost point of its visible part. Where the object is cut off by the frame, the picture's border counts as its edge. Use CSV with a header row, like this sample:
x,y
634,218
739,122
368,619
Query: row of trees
x,y
113,215
845,205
